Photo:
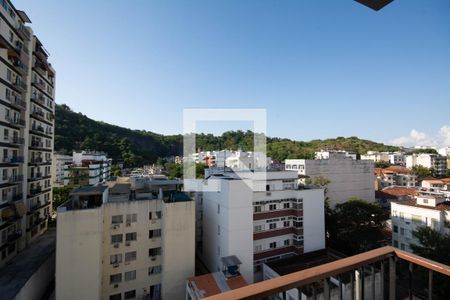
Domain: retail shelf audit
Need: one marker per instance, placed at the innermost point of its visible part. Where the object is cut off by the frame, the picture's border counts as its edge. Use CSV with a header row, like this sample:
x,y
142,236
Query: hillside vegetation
x,y
75,131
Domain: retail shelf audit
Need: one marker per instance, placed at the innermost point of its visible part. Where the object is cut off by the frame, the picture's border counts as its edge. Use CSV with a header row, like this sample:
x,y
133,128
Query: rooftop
x,y
120,188
89,190
214,283
395,191
16,273
443,206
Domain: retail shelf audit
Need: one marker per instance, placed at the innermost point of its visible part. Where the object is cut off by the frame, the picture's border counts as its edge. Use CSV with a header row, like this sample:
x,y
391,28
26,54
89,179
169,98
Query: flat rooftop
x,y
89,190
303,261
15,274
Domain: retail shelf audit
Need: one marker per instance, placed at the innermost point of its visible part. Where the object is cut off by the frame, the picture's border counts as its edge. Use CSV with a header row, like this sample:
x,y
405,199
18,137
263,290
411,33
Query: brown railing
x,y
386,259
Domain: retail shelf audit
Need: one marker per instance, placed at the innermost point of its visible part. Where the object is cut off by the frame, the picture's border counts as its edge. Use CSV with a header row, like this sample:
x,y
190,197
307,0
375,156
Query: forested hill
x,y
75,131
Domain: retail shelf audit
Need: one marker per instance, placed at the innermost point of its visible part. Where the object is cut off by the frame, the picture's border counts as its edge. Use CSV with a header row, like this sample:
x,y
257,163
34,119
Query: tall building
x,y
27,93
348,177
125,241
87,168
275,220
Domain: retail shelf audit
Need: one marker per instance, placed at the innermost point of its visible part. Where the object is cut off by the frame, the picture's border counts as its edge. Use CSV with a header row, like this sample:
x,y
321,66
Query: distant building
x,y
87,168
348,177
432,161
430,210
394,176
376,156
325,154
59,162
434,185
125,241
239,160
385,196
273,221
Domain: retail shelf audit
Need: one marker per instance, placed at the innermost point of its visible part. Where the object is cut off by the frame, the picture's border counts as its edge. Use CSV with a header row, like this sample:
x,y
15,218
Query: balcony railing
x,y
37,128
328,279
37,144
15,159
36,160
22,86
35,191
15,121
23,32
18,103
39,83
15,178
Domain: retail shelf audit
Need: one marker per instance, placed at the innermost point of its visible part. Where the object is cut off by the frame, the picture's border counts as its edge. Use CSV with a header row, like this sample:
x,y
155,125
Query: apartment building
x,y
427,209
394,176
27,93
59,161
125,241
239,159
434,185
376,156
87,168
428,160
348,177
257,219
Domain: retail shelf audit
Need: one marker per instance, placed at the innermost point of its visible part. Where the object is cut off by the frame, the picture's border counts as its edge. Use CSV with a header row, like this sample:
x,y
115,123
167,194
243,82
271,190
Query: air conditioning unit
x,y
116,245
128,224
127,243
116,285
153,258
116,265
268,193
115,226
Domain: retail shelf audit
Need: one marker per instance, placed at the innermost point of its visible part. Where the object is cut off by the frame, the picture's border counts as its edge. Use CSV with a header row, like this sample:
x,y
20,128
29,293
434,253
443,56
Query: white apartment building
x,y
27,93
87,168
395,176
325,154
397,158
274,219
239,159
429,209
432,161
348,177
434,185
113,244
57,169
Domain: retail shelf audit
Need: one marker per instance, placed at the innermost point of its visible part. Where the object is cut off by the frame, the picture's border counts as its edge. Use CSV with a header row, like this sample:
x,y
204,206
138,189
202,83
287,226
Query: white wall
x,y
313,220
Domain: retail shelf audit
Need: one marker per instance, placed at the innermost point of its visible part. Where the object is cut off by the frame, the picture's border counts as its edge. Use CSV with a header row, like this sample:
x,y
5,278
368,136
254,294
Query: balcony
x,y
40,84
15,179
38,98
36,160
35,191
23,32
18,103
15,140
36,176
14,236
22,86
38,128
13,160
37,144
399,275
22,49
15,121
17,197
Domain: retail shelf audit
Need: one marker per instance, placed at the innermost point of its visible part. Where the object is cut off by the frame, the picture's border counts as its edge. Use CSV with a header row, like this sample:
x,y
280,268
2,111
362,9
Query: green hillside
x,y
75,131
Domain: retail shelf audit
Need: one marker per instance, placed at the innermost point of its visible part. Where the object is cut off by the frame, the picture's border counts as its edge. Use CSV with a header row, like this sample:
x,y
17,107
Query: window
x,y
286,205
257,228
154,233
130,256
117,219
5,174
154,251
287,242
395,228
130,236
115,278
272,207
286,224
131,218
218,208
8,74
5,134
131,275
257,209
158,215
272,225
115,297
273,245
425,201
402,246
116,258
154,270
402,215
130,294
402,231
116,238
257,248
267,188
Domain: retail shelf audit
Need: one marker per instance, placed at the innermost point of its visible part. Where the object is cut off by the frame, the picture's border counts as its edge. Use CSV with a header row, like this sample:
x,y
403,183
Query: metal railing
x,y
385,261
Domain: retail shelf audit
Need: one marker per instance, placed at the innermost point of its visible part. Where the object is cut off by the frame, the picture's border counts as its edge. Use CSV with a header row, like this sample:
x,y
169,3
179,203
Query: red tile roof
x,y
395,192
397,169
207,285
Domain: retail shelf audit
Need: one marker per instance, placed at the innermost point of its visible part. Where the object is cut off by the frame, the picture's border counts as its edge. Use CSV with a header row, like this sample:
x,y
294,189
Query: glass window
x,y
154,270
117,219
154,233
116,238
130,294
154,251
116,258
131,218
131,275
115,278
257,209
273,245
115,297
131,236
130,256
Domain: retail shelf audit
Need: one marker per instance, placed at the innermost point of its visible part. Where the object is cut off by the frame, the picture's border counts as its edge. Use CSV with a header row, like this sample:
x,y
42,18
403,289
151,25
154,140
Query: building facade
x,y
117,244
427,209
57,169
273,219
27,97
348,177
428,160
87,168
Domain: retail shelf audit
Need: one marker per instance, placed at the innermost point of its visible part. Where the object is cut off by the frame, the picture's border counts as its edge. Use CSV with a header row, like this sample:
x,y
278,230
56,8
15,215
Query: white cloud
x,y
417,138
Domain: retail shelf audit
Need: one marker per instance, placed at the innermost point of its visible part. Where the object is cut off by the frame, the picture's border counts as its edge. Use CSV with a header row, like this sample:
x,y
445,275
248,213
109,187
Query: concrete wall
x,y
79,254
178,242
313,220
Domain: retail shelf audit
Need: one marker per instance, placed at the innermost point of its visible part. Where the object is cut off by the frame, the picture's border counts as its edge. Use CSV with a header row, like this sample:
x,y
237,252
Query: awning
x,y
20,208
231,260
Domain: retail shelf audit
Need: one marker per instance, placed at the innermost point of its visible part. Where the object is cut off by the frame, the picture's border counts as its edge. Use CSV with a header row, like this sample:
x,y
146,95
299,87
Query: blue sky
x,y
321,68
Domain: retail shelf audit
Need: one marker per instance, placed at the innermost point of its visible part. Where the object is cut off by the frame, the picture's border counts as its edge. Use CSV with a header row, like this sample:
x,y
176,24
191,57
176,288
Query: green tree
x,y
116,171
382,164
421,172
356,226
435,246
60,195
